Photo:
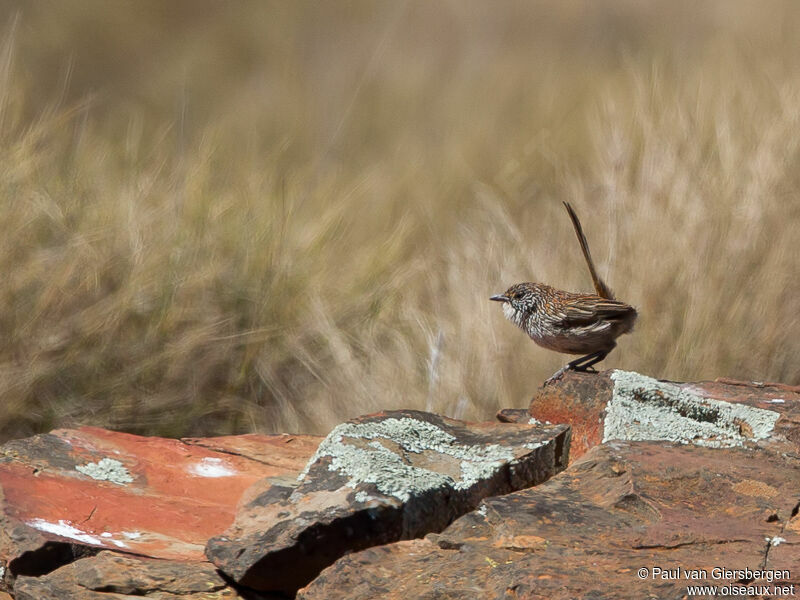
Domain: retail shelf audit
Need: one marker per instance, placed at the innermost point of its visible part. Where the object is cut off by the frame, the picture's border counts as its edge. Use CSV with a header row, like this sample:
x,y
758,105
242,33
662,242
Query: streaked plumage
x,y
569,322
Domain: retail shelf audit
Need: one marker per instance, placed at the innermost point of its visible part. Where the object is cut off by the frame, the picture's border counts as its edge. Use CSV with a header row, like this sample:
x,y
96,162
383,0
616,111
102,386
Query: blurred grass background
x,y
271,216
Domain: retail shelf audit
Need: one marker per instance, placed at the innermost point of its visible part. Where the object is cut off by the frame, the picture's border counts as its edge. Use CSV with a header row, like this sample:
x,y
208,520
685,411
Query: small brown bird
x,y
570,322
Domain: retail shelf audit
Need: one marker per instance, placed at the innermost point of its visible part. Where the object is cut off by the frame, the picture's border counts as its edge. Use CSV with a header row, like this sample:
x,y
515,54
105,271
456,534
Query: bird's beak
x,y
499,298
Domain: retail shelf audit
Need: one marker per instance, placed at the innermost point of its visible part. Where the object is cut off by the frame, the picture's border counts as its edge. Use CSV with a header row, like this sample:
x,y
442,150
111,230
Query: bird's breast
x,y
513,315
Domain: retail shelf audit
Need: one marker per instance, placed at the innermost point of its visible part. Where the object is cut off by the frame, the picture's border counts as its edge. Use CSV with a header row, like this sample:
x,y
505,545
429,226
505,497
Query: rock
x,y
629,406
515,415
378,479
587,533
110,575
288,453
674,476
71,493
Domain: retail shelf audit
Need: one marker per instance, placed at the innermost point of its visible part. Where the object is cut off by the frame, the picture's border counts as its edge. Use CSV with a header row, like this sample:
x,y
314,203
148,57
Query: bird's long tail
x,y
599,285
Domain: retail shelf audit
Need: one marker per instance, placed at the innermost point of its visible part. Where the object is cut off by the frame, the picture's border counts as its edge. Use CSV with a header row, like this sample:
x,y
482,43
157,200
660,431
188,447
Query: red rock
x,y
625,405
163,498
111,575
588,531
378,479
285,451
579,400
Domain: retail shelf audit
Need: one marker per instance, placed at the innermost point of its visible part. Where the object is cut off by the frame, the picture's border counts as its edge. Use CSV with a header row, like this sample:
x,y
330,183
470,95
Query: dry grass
x,y
279,215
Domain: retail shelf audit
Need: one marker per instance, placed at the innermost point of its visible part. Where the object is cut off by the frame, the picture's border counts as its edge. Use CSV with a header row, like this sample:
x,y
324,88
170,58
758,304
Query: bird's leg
x,y
584,363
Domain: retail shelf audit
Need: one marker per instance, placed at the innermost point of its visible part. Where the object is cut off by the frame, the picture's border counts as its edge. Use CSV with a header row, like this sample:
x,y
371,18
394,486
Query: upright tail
x,y
599,285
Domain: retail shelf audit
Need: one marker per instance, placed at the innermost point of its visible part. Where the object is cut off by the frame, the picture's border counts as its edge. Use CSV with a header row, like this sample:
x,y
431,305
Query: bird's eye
x,y
517,295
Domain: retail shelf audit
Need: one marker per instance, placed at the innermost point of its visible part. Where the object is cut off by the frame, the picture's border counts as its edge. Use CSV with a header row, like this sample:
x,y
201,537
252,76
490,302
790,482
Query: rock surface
x,y
110,575
682,477
379,479
630,406
71,493
587,532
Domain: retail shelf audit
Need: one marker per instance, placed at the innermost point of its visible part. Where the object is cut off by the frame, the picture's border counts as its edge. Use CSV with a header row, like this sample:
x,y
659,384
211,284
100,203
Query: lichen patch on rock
x,y
376,479
643,408
375,463
107,469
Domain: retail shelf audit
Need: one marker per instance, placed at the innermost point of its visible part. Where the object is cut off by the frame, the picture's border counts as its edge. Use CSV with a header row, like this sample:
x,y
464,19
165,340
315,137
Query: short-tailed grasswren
x,y
569,322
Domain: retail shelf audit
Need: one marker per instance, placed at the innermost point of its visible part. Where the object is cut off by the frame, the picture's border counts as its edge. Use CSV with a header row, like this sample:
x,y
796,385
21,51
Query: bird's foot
x,y
557,375
568,367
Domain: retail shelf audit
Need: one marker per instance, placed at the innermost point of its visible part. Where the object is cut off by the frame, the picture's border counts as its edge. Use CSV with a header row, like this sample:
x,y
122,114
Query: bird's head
x,y
519,301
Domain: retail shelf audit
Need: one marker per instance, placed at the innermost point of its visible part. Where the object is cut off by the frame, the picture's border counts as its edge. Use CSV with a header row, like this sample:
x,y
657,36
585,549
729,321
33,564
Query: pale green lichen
x,y
107,469
363,497
387,469
643,408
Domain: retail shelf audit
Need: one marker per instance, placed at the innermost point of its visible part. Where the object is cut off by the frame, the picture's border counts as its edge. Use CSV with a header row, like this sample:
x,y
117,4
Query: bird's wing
x,y
587,310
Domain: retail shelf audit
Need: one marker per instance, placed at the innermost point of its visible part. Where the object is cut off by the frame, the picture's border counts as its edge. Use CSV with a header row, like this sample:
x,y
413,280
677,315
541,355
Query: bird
x,y
570,322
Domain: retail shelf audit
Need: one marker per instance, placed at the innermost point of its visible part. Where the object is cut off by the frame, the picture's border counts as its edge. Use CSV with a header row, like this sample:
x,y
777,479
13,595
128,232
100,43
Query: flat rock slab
x,y
378,479
73,492
622,405
111,576
628,520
